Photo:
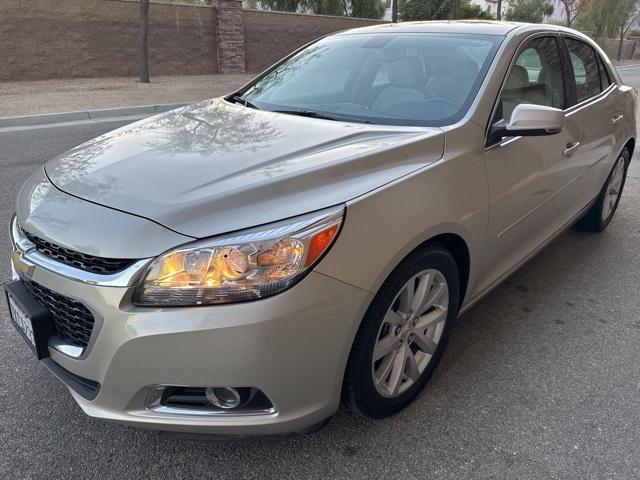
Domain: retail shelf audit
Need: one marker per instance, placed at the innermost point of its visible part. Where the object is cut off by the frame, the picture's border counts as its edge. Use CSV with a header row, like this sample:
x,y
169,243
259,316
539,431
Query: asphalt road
x,y
541,380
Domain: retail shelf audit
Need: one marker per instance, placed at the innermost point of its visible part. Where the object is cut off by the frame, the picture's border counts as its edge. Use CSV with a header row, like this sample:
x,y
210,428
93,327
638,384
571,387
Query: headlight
x,y
241,266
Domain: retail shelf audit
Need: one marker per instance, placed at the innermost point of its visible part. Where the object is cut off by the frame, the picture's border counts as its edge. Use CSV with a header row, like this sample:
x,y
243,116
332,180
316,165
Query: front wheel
x,y
403,334
600,214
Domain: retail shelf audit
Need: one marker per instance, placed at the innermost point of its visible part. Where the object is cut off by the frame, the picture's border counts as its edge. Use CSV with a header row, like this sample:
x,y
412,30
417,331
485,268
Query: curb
x,y
101,114
628,66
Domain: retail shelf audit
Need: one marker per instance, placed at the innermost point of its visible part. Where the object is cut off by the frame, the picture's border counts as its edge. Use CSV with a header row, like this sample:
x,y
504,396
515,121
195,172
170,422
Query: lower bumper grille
x,y
72,320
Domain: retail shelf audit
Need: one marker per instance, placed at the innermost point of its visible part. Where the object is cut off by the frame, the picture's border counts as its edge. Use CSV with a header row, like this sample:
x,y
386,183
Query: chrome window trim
x,y
585,103
31,257
569,110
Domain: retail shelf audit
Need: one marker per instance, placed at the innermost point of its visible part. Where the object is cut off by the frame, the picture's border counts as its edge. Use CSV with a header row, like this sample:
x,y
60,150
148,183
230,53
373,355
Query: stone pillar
x,y
230,36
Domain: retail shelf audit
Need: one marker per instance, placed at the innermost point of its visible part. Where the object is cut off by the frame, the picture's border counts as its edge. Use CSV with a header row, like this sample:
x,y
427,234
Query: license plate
x,y
22,321
31,319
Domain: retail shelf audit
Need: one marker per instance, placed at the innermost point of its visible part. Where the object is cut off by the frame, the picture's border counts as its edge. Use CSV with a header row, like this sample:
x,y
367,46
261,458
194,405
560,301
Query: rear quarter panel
x,y
629,107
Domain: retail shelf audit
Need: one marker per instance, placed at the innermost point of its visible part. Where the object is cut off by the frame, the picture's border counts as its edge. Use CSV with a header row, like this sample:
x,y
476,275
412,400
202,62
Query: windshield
x,y
393,79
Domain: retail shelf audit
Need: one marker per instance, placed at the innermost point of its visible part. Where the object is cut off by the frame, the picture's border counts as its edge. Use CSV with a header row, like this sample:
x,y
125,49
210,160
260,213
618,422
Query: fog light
x,y
223,397
183,400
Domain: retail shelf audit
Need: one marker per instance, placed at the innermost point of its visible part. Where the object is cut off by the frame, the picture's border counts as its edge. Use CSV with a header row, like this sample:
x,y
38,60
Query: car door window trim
x,y
589,101
599,64
613,80
521,48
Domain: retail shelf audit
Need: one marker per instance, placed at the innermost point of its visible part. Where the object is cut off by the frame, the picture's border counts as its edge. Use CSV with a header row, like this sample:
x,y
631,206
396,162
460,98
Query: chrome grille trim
x,y
27,253
88,263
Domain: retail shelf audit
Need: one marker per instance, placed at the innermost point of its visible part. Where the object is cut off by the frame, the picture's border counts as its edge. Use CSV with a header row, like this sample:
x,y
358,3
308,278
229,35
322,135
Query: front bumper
x,y
293,347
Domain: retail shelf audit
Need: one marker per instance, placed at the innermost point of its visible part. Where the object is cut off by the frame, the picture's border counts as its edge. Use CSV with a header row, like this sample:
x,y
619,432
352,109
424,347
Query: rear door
x,y
596,114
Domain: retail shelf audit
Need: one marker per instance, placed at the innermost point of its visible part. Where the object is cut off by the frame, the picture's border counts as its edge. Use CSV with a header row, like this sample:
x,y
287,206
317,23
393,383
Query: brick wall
x,y
269,36
42,39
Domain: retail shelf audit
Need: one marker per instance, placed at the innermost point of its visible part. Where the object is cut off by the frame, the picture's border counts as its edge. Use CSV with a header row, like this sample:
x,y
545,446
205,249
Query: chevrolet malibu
x,y
242,265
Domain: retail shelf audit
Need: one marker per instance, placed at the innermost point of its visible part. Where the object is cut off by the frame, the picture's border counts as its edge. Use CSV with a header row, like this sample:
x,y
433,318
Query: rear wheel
x,y
600,214
403,334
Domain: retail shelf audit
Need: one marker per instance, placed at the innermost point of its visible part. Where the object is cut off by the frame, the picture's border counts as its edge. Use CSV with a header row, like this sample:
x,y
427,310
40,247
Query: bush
x,y
440,10
529,11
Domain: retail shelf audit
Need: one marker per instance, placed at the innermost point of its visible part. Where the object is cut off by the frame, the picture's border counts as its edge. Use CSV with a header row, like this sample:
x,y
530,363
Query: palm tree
x,y
144,41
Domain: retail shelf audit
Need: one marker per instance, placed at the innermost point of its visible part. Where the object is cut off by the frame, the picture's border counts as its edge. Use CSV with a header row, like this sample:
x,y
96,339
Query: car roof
x,y
474,27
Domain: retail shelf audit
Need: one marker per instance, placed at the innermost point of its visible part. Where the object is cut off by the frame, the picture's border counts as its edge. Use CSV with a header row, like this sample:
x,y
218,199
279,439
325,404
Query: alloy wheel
x,y
613,189
410,333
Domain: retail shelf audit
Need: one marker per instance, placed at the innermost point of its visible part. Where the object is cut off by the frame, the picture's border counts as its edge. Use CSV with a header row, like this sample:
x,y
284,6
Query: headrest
x,y
465,69
518,78
542,76
405,72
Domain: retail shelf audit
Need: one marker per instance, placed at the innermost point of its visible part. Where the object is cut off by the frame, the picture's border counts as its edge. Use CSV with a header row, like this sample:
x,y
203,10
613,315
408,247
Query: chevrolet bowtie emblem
x,y
20,266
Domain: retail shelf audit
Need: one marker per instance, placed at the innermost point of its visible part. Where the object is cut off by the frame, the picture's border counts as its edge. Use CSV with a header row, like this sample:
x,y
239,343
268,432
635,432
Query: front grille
x,y
72,320
89,263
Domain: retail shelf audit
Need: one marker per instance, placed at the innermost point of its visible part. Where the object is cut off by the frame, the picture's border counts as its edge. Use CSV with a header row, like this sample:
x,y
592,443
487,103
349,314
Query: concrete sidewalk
x,y
80,94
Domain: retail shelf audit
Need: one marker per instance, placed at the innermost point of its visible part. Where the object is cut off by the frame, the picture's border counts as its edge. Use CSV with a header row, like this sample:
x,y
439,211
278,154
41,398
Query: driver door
x,y
528,174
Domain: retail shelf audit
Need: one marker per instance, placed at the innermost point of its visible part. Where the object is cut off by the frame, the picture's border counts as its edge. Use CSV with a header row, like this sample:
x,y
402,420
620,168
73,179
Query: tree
x,y
347,8
455,8
499,10
366,9
424,9
469,11
598,20
529,11
324,7
573,8
440,10
277,5
610,19
144,41
629,13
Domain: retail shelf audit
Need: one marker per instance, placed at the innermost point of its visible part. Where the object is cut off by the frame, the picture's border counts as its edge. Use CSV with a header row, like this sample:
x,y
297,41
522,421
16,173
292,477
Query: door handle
x,y
571,147
617,119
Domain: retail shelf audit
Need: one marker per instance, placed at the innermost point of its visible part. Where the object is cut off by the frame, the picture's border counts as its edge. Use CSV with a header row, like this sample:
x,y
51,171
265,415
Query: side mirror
x,y
528,120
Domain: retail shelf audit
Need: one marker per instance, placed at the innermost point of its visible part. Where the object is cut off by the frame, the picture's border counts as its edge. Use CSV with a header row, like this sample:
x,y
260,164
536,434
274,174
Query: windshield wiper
x,y
236,98
314,114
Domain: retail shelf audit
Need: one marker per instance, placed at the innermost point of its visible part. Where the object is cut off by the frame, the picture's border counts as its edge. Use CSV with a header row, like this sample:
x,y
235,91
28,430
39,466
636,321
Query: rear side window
x,y
585,69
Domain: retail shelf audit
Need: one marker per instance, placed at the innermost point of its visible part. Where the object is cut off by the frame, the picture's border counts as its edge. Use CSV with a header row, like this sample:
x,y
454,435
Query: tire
x,y
600,214
381,399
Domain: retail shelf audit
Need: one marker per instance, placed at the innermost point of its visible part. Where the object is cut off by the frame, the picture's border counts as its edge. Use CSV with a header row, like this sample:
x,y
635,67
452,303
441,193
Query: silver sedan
x,y
242,265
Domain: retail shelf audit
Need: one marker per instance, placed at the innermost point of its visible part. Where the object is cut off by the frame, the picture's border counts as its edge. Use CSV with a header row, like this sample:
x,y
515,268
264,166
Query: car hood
x,y
67,221
216,167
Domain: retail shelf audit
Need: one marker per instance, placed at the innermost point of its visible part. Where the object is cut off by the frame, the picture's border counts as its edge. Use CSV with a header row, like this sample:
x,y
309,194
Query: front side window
x,y
585,69
536,77
394,79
